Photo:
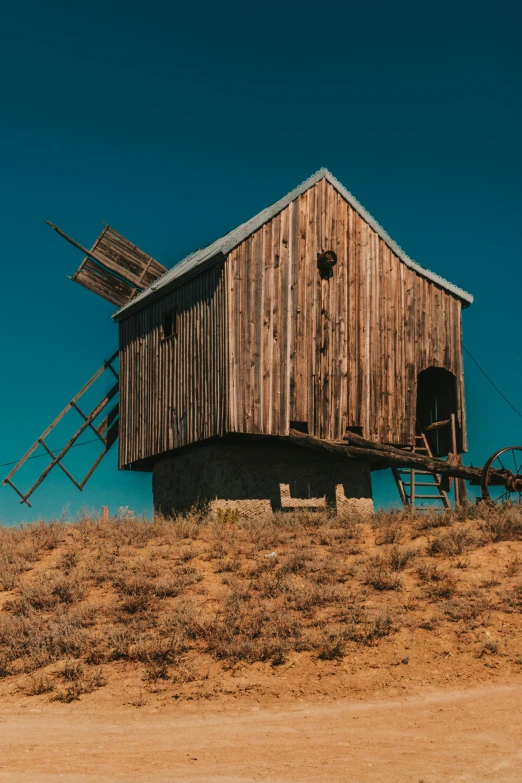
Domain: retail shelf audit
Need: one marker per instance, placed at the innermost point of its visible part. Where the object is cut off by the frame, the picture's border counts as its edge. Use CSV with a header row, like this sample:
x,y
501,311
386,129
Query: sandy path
x,y
436,738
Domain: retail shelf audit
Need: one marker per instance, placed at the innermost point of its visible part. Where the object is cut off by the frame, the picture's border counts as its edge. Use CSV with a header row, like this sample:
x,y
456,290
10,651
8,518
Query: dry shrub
x,y
183,672
454,542
72,670
466,606
78,682
70,558
156,670
363,629
228,517
489,647
332,647
380,575
438,584
47,591
38,684
513,599
297,563
379,627
432,518
350,526
248,630
306,595
398,558
45,536
502,524
513,566
187,553
4,665
229,565
389,533
30,642
390,526
271,583
20,547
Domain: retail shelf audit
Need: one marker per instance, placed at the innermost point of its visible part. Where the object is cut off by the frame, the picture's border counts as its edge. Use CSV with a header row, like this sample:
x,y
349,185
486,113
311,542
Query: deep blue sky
x,y
175,122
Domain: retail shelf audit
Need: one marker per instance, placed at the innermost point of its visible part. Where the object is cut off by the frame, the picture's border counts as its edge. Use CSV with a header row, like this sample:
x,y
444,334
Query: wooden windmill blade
x,y
106,431
114,268
102,282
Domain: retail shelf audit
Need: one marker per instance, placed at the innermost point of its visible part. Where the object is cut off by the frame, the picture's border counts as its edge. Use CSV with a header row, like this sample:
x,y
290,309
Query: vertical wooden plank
x,y
267,350
310,331
275,395
256,329
317,331
284,341
294,320
300,379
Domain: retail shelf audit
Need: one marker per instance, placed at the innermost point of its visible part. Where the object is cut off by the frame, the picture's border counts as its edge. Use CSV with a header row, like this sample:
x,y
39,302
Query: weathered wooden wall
x,y
339,352
267,341
172,391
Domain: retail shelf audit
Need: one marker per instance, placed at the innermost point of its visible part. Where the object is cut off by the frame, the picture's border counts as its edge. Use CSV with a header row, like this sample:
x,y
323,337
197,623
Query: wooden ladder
x,y
408,489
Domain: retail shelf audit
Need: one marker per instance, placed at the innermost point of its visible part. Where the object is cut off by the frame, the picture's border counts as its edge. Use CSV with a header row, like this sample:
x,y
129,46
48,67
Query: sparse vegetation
x,y
172,598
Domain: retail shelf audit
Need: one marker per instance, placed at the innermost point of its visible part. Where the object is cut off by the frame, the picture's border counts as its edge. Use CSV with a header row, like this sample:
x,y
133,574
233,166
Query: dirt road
x,y
438,737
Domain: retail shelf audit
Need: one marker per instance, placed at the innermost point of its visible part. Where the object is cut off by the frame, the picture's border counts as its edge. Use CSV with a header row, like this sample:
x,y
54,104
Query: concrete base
x,y
257,478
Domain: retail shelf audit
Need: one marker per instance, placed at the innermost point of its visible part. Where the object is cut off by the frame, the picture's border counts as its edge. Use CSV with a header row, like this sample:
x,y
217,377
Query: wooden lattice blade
x,y
114,268
102,282
106,430
119,255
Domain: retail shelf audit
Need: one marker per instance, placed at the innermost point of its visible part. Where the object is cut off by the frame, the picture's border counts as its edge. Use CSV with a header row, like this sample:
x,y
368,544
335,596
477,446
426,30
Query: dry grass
x,y
172,598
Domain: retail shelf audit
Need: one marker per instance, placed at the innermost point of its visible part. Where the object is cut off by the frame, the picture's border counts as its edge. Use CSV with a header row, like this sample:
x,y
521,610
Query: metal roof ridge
x,y
397,249
233,238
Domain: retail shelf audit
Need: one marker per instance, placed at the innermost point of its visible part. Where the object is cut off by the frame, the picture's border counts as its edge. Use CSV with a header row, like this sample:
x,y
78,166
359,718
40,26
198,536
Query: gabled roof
x,y
221,247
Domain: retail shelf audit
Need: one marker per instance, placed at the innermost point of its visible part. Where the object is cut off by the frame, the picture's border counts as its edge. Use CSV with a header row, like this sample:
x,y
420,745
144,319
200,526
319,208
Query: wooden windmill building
x,y
307,318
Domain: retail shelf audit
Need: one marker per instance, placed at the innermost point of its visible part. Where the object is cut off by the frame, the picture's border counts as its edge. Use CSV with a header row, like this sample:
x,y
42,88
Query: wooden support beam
x,y
437,425
355,446
24,499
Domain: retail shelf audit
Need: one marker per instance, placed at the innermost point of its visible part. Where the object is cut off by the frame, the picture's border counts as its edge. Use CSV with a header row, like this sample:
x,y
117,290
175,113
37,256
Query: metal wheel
x,y
508,487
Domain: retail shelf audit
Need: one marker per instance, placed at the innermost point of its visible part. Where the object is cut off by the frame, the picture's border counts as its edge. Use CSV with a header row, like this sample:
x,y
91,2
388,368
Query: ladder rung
x,y
421,484
417,472
429,497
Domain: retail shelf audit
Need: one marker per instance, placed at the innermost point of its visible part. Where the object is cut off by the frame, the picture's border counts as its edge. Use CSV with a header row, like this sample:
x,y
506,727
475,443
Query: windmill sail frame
x,y
114,268
106,431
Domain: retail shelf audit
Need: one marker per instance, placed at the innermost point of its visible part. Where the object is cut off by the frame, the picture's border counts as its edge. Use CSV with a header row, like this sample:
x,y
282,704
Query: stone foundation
x,y
257,478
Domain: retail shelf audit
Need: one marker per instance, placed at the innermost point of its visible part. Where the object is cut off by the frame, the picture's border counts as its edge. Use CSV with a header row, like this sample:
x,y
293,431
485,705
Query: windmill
x,y
279,366
116,270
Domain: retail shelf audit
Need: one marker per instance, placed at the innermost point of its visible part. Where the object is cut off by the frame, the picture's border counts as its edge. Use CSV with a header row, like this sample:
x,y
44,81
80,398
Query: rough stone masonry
x,y
258,478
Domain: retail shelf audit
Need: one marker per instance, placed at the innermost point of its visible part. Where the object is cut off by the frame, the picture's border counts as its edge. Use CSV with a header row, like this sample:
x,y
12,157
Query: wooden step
x,y
422,484
425,497
417,472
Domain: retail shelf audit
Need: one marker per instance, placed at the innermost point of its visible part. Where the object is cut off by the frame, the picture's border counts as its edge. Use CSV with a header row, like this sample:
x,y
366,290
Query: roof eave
x,y
225,244
157,292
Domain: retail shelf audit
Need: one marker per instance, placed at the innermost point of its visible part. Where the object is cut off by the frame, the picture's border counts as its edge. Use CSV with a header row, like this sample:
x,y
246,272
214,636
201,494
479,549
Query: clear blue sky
x,y
175,122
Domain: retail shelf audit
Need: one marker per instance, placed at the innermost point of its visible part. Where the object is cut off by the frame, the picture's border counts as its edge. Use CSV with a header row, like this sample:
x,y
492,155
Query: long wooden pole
x,y
355,446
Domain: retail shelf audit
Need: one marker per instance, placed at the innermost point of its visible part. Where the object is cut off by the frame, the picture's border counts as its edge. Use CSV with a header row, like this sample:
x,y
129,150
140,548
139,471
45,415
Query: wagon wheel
x,y
508,462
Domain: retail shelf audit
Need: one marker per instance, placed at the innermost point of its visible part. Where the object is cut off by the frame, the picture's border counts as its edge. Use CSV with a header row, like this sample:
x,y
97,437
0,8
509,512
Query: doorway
x,y
437,402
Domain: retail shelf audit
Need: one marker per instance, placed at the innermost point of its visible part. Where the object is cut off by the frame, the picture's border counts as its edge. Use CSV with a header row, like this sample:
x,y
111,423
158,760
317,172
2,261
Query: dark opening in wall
x,y
436,402
300,426
169,324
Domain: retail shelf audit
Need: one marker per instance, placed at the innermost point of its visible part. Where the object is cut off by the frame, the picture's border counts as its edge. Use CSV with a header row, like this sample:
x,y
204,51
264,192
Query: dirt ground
x,y
434,737
305,648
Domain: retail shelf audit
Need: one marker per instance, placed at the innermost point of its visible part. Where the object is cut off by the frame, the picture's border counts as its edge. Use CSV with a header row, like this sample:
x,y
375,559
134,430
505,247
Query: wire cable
x,y
38,456
492,383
